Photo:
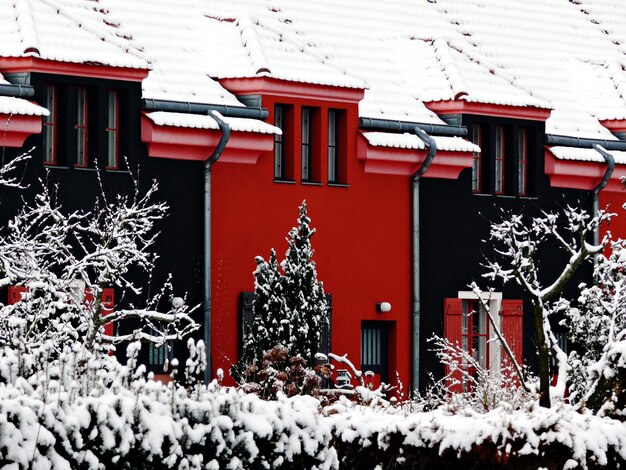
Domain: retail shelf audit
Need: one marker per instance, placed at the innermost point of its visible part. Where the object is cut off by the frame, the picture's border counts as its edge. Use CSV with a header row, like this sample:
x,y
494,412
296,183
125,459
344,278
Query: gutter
x,y
415,253
388,125
225,130
203,108
610,162
17,91
567,141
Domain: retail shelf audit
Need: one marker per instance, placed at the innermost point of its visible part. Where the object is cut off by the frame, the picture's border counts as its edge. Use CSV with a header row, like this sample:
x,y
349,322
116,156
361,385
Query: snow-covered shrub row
x,y
87,411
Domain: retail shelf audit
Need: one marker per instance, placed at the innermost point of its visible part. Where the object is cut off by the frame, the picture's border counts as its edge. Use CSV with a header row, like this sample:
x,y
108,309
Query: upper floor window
x,y
522,162
279,143
333,131
112,130
81,127
307,144
476,162
50,126
499,161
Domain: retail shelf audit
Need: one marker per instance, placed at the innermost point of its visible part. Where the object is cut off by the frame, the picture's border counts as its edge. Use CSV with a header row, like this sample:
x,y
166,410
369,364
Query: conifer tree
x,y
303,293
289,308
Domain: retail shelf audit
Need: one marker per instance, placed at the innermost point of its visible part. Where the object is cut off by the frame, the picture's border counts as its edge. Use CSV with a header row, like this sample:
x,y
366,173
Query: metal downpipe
x,y
390,125
17,91
415,253
610,162
225,130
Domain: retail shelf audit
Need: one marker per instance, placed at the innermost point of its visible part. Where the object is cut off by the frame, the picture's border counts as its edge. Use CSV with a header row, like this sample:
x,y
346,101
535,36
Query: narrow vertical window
x,y
306,152
333,131
475,334
279,143
499,161
50,127
522,163
112,130
476,166
81,127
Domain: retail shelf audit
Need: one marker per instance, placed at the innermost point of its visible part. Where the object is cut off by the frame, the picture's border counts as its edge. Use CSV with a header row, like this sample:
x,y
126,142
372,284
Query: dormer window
x,y
81,127
50,126
112,130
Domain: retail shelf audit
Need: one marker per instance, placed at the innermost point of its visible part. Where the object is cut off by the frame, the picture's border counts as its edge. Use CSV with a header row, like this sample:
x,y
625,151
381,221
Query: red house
x,y
405,126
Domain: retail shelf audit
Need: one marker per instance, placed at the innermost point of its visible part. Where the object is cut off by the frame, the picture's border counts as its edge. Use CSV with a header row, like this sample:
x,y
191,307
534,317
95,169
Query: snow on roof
x,y
72,31
11,105
413,142
201,121
269,48
586,155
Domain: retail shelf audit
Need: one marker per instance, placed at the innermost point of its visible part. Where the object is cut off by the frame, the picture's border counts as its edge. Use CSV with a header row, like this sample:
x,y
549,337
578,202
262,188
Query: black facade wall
x,y
454,223
181,183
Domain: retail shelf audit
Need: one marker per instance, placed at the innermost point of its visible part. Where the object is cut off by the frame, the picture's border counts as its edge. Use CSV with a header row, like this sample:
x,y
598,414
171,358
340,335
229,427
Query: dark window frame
x,y
477,179
82,97
50,125
499,159
306,144
333,146
114,162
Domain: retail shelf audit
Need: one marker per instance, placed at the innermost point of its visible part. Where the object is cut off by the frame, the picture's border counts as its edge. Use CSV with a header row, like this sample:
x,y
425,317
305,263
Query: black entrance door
x,y
374,343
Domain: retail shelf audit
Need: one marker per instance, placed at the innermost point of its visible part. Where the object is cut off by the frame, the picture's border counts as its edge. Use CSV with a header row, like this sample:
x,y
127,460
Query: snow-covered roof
x,y
198,121
564,55
413,142
72,31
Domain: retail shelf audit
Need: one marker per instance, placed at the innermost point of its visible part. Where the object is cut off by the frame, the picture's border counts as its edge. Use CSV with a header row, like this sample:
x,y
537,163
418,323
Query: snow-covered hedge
x,y
85,411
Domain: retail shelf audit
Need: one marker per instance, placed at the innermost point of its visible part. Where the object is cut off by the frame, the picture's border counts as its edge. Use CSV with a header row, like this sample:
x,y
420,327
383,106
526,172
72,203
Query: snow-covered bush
x,y
597,327
65,259
289,306
519,246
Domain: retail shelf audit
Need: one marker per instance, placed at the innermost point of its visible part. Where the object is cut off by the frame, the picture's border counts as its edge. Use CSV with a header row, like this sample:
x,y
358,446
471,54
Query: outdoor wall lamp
x,y
383,307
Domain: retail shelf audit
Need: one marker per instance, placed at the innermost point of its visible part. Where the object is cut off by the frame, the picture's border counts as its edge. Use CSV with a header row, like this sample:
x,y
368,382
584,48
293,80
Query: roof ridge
x,y
122,41
449,68
250,42
26,26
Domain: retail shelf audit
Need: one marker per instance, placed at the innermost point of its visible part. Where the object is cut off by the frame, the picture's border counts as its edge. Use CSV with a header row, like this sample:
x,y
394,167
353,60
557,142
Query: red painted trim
x,y
180,143
488,109
405,162
284,88
580,175
16,128
615,125
34,64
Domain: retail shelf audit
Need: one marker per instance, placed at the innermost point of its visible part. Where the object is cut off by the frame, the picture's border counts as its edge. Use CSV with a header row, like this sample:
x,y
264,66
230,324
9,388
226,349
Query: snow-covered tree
x,y
518,245
289,307
597,326
270,324
65,260
304,294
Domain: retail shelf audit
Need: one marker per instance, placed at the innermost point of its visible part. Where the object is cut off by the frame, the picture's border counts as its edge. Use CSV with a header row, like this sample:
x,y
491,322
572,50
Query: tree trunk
x,y
544,358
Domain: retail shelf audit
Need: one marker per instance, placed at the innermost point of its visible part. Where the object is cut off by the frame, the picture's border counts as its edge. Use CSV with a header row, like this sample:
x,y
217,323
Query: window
x,y
81,127
467,325
306,145
112,130
499,161
476,164
158,356
50,126
333,133
279,147
522,162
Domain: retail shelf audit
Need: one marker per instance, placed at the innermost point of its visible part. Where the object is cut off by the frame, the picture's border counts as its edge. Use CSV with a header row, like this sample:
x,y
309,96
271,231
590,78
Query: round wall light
x,y
383,307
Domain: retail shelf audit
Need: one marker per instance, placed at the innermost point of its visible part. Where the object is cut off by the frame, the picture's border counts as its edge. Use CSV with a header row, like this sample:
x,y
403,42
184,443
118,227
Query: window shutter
x,y
246,315
511,319
14,294
452,330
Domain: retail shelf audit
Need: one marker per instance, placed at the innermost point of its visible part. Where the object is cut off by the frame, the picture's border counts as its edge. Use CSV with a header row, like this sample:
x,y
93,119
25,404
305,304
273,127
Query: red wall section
x,y
362,244
615,201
